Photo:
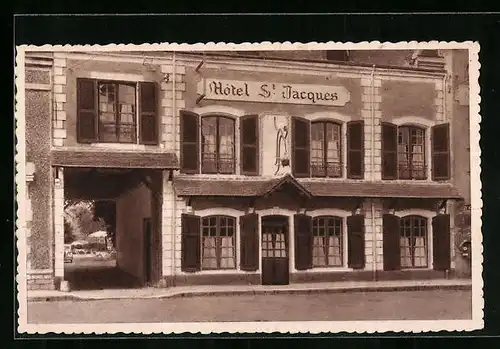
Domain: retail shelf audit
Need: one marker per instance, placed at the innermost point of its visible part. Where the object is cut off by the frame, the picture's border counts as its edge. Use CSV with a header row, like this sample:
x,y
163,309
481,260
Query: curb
x,y
188,294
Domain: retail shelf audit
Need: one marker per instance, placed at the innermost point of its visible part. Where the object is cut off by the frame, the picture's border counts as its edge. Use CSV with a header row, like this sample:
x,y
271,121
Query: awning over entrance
x,y
257,188
114,159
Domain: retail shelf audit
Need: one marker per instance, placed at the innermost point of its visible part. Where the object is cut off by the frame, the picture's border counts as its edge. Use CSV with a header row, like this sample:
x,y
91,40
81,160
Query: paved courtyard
x,y
396,305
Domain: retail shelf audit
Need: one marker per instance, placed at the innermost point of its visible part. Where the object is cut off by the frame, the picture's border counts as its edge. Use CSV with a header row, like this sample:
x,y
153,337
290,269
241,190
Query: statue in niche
x,y
282,159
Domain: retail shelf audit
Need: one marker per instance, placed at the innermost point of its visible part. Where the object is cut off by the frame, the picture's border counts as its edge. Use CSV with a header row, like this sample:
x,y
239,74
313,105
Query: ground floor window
x,y
327,241
218,242
413,242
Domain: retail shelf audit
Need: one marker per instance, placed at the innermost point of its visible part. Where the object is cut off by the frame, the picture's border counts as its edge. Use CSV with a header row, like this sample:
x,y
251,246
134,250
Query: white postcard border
x,y
313,327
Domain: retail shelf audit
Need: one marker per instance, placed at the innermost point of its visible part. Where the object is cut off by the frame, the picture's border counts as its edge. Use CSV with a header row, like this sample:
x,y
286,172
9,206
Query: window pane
x,y
333,150
126,113
209,144
404,152
317,149
226,145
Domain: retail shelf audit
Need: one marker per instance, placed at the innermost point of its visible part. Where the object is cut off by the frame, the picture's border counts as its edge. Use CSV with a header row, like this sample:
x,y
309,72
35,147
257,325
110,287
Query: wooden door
x,y
275,257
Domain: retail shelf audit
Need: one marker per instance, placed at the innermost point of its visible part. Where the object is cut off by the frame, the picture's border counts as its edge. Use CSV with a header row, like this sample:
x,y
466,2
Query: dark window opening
x,y
218,244
411,153
117,112
327,241
217,145
326,159
413,242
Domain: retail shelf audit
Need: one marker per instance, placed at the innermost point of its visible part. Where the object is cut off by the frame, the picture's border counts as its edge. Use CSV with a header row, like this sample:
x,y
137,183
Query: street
x,y
409,305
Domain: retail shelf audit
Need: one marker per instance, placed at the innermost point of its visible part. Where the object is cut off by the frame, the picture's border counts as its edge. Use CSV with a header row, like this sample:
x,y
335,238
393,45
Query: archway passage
x,y
112,227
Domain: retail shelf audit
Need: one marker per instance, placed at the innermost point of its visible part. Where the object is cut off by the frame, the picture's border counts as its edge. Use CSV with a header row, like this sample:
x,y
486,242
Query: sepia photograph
x,y
249,188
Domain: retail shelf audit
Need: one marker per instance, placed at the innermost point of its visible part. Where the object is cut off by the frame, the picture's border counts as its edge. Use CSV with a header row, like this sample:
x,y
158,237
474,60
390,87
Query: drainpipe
x,y
372,163
174,136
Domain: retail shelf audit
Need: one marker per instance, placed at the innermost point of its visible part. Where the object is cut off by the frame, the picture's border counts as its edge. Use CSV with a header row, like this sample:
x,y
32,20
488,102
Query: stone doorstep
x,y
200,291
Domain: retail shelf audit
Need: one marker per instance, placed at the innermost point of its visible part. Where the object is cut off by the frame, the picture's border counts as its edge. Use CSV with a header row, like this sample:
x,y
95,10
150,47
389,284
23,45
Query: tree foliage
x,y
80,220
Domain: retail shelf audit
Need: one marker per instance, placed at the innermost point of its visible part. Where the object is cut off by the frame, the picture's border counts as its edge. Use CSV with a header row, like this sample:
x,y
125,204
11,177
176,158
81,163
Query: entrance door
x,y
147,250
275,250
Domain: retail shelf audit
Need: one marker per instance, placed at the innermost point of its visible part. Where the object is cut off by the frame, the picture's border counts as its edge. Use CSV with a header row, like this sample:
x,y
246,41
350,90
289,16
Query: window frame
x,y
136,113
218,247
410,128
342,237
411,247
217,138
325,123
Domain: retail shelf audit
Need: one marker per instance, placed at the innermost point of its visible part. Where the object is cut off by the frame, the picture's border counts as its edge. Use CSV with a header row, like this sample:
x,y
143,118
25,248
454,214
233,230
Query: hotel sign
x,y
273,92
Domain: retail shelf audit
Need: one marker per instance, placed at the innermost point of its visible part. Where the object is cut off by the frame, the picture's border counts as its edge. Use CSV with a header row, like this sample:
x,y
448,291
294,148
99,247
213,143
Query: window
x,y
326,149
216,146
404,153
413,242
411,153
327,241
116,112
217,142
218,242
317,149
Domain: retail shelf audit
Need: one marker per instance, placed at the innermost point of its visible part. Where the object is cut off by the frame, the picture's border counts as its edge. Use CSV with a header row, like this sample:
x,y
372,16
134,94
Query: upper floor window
x,y
217,148
404,153
411,153
326,155
317,149
217,145
116,112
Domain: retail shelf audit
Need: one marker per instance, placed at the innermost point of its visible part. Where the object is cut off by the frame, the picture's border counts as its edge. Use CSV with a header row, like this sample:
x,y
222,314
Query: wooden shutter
x,y
355,149
190,244
190,142
249,135
148,118
300,147
441,152
441,242
86,122
356,241
303,241
389,151
391,241
249,242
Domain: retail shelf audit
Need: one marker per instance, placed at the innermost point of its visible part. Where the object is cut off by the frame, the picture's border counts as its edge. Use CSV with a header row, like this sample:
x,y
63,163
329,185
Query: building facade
x,y
258,168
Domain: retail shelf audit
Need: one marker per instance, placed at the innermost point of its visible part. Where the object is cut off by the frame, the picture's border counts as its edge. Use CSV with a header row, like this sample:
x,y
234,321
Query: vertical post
x,y
59,223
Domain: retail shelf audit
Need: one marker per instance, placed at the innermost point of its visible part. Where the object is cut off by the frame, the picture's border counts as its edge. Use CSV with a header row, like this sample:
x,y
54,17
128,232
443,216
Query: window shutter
x,y
249,134
356,241
148,118
190,244
190,143
303,241
300,147
441,242
249,242
86,122
389,151
391,241
441,152
355,149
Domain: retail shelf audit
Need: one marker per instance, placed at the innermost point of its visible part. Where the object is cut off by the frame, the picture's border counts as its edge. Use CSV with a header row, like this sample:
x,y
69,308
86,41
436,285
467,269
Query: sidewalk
x,y
229,290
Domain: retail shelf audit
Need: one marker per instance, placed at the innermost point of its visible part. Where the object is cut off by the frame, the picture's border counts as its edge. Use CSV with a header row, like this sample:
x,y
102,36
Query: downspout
x,y
372,164
174,138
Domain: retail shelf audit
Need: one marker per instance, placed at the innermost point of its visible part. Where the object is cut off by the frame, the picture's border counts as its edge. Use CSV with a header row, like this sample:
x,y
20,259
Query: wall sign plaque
x,y
273,92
